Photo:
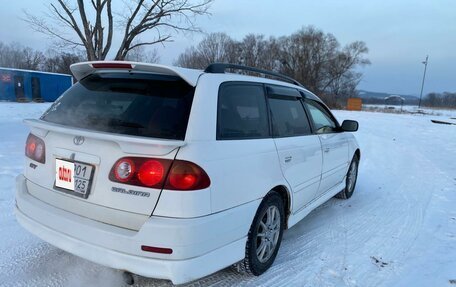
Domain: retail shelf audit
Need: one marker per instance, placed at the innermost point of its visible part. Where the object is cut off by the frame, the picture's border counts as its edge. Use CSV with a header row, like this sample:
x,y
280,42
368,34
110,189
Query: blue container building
x,y
24,85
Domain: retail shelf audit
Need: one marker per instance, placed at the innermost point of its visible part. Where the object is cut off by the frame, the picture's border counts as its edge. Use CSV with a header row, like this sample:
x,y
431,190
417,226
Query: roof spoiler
x,y
82,70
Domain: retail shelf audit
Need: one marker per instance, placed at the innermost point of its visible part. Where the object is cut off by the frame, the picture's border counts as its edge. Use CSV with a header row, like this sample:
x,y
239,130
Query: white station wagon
x,y
176,173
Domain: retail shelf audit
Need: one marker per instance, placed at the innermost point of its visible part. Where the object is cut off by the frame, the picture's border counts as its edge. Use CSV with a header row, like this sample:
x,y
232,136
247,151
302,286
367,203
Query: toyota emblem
x,y
78,140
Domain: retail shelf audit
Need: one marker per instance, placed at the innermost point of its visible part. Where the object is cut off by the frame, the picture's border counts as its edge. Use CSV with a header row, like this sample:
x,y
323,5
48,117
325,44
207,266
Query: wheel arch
x,y
286,199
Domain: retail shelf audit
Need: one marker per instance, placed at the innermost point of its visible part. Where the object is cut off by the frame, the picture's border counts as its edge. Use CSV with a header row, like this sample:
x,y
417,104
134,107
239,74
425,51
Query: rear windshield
x,y
133,104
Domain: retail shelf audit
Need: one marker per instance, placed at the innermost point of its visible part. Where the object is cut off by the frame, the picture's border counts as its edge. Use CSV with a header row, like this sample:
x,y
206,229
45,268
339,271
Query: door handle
x,y
288,158
326,149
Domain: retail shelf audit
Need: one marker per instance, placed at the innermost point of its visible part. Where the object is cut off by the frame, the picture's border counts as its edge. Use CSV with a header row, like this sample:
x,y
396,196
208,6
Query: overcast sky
x,y
399,34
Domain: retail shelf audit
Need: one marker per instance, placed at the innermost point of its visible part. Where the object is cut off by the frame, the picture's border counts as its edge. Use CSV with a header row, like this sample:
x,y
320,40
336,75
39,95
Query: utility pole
x,y
424,77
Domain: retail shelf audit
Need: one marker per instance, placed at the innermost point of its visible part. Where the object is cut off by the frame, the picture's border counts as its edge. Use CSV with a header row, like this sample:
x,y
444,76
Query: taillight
x,y
151,173
124,170
35,148
185,175
159,173
140,171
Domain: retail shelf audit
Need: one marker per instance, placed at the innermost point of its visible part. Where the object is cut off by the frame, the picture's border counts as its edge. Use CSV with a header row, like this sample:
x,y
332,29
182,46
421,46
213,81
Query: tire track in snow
x,y
350,227
400,221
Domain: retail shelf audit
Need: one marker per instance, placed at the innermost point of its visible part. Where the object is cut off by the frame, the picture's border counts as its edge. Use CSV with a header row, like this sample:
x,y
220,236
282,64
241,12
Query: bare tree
x,y
60,62
17,56
216,47
66,19
317,60
253,50
311,56
141,54
305,56
440,100
342,73
256,51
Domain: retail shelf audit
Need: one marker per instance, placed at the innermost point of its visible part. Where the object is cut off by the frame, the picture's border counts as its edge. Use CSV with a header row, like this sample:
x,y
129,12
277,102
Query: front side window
x,y
242,112
288,117
322,120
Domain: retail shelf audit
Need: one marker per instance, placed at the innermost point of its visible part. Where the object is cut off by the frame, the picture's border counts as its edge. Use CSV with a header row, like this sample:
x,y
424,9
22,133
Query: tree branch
x,y
110,29
94,27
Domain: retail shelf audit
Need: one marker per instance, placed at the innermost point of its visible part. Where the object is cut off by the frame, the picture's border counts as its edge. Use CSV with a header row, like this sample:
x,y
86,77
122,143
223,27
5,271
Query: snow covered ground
x,y
399,229
411,109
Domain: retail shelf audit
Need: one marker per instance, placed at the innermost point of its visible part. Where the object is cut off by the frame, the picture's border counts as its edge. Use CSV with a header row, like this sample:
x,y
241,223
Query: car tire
x,y
350,179
265,236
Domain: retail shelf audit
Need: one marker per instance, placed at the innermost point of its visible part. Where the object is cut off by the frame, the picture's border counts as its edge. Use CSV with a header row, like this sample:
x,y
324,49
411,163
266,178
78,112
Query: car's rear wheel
x,y
265,235
350,181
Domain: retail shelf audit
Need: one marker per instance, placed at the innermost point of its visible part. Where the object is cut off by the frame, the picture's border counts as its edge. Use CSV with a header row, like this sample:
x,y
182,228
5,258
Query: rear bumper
x,y
201,246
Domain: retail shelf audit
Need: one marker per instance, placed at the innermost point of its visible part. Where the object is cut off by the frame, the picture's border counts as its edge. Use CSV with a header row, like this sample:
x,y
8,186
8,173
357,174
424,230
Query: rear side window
x,y
242,112
146,105
288,117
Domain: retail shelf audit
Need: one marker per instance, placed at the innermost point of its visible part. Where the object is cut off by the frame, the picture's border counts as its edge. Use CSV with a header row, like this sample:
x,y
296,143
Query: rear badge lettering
x,y
130,192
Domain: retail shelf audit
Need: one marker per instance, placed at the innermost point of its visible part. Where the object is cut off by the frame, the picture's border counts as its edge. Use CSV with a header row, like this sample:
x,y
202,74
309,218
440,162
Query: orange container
x,y
354,104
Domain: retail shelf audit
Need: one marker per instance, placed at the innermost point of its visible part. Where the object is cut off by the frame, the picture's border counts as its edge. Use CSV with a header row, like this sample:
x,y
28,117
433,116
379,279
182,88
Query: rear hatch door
x,y
105,117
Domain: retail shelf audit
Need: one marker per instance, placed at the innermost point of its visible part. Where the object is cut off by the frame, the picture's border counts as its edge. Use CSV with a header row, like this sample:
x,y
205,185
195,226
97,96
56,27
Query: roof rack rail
x,y
219,68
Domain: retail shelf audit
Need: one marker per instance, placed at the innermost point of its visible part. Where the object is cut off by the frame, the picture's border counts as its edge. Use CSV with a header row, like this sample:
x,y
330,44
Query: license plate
x,y
73,177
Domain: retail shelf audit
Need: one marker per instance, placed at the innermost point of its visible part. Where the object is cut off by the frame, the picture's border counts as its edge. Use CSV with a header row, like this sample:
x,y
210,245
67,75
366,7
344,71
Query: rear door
x,y
19,88
334,145
299,151
36,89
98,121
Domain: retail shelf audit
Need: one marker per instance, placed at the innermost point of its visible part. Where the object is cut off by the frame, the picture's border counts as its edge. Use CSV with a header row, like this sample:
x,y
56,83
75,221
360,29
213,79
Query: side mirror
x,y
350,126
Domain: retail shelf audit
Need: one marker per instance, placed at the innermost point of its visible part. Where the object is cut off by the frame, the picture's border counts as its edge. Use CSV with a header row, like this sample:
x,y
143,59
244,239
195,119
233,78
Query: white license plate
x,y
75,177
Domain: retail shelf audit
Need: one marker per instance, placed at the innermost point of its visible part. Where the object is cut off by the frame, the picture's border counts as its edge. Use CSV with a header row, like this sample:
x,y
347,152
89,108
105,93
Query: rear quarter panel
x,y
240,170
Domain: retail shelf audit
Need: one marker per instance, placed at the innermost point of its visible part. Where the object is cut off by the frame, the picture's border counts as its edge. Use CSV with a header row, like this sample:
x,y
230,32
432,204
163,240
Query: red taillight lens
x,y
30,148
140,171
151,173
148,172
186,175
35,148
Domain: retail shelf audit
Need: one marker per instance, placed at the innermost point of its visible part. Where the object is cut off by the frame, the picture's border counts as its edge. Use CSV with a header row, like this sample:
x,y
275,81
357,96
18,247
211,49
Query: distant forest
x,y
311,56
314,58
443,100
15,55
435,100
